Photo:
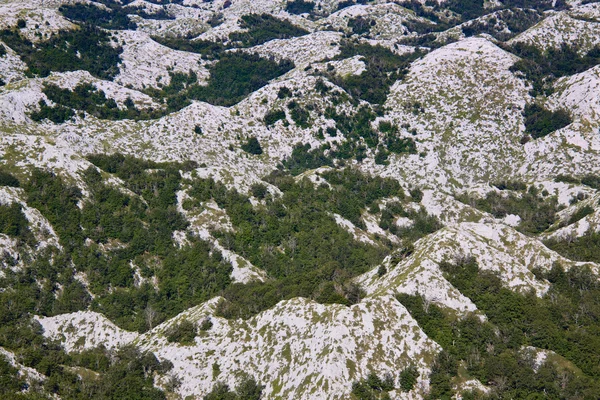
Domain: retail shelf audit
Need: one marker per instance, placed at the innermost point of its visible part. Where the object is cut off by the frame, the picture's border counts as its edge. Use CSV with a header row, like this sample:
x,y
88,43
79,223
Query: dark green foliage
x,y
304,158
554,322
408,378
252,146
491,351
345,3
566,179
57,114
416,194
395,144
273,116
537,213
206,324
284,92
592,181
10,380
299,115
360,25
299,6
57,201
584,248
355,128
511,185
184,333
87,48
235,76
247,389
543,68
2,50
383,68
307,265
86,97
259,190
8,179
263,28
207,48
372,387
114,17
517,20
468,9
21,23
540,122
580,214
13,222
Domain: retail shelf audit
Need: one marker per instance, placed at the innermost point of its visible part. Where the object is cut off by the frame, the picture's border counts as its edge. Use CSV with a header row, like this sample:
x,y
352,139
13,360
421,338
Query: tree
x,y
252,146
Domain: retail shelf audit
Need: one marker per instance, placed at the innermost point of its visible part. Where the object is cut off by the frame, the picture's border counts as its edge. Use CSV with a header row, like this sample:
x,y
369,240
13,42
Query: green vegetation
x,y
299,6
235,76
247,389
540,122
492,351
517,20
383,68
8,179
273,116
373,387
184,333
358,131
86,97
232,78
87,48
304,158
537,213
57,114
207,48
408,378
541,69
115,17
252,146
263,28
14,223
285,238
584,248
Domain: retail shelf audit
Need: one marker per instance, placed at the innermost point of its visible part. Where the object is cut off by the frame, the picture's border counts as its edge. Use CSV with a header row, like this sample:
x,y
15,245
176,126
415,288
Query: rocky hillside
x,y
299,199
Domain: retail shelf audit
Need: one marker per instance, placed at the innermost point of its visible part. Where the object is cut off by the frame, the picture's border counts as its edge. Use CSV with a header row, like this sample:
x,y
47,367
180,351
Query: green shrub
x,y
184,333
273,116
252,146
8,179
235,76
299,6
87,48
540,122
263,28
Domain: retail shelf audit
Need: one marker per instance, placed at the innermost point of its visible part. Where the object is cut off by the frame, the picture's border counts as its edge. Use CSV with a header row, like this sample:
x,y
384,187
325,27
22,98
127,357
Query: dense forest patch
x,y
263,28
537,212
492,352
87,48
383,68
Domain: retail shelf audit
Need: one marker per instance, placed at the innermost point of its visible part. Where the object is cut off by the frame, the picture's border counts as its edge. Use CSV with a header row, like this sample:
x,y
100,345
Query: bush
x,y
8,179
259,190
273,116
87,48
408,378
252,146
184,333
263,28
540,122
235,76
299,6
